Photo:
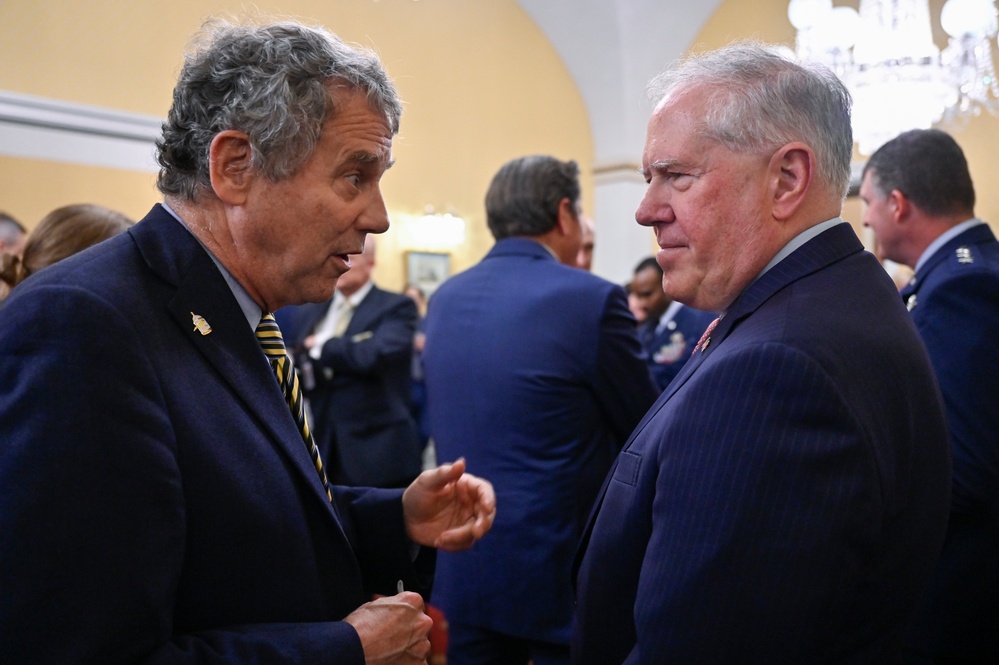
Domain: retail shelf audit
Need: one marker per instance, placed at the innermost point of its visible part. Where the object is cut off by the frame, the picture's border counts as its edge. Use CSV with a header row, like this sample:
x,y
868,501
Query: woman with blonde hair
x,y
62,233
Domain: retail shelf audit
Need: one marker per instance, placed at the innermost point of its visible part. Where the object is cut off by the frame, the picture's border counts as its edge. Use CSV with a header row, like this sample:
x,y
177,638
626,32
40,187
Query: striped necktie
x,y
269,335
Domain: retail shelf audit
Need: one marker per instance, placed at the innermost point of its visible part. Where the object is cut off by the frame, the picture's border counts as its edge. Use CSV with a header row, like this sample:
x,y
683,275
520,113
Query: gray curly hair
x,y
271,82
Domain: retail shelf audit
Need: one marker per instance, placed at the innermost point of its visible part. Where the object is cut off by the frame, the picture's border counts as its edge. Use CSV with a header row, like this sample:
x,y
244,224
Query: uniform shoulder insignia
x,y
963,255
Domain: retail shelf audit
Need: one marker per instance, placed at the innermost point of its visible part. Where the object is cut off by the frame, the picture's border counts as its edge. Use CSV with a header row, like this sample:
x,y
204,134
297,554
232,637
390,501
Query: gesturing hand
x,y
447,508
393,629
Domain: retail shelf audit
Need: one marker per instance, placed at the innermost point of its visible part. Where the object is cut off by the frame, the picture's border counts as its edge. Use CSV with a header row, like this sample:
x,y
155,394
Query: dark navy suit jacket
x,y
157,502
785,498
954,302
361,391
535,375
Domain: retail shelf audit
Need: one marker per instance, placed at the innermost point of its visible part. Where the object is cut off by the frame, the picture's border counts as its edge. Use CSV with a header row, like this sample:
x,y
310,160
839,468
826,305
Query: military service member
x,y
670,329
920,203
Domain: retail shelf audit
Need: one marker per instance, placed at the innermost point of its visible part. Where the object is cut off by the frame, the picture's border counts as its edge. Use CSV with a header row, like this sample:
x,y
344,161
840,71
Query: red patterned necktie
x,y
706,337
269,335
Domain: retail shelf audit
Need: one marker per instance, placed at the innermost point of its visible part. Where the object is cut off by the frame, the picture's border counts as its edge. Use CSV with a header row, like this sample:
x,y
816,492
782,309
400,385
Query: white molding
x,y
53,130
607,174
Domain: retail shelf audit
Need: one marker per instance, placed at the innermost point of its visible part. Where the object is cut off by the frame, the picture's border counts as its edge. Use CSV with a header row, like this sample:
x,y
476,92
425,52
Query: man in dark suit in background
x,y
534,375
786,497
357,356
159,499
920,202
670,329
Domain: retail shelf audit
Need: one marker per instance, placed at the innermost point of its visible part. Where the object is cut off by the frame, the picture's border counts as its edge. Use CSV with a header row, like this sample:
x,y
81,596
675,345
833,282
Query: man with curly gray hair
x,y
161,495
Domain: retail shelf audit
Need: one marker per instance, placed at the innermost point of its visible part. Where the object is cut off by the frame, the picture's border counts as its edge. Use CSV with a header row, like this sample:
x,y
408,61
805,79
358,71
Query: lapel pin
x,y
200,324
910,304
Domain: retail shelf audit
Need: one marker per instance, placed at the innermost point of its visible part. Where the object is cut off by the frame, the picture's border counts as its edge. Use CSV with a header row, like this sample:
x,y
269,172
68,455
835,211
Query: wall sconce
x,y
431,230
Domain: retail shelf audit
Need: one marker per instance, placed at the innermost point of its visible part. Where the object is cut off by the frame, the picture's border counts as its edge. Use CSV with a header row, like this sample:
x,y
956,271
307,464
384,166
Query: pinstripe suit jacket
x,y
785,498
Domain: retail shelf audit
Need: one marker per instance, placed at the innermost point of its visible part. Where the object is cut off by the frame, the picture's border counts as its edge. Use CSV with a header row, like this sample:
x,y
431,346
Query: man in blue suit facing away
x,y
161,500
535,375
786,497
921,206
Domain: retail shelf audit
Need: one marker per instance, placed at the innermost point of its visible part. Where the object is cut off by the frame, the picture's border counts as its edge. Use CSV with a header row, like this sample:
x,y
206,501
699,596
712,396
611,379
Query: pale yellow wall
x,y
766,20
481,85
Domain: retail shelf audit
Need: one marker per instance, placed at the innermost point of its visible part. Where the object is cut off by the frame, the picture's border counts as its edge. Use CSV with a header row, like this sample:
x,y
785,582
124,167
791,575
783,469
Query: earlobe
x,y
793,167
229,159
899,204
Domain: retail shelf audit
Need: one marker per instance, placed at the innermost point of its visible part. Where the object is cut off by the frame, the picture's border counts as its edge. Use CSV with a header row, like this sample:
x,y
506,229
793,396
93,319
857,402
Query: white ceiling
x,y
613,48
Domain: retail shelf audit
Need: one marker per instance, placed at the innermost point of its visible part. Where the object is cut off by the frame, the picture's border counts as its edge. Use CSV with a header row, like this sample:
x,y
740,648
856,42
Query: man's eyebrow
x,y
363,157
658,167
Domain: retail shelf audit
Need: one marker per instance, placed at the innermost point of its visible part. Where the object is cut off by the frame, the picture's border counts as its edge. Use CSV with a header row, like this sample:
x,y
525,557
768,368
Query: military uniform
x,y
954,301
670,340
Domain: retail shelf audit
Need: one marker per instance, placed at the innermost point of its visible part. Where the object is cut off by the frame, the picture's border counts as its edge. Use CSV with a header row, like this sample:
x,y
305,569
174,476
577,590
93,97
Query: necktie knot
x,y
270,338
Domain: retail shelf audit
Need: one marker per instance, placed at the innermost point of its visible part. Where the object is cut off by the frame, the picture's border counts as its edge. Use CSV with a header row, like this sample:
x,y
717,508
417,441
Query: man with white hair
x,y
786,497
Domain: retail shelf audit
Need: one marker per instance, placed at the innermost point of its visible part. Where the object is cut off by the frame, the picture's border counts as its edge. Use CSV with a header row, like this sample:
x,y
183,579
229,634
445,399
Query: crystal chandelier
x,y
899,79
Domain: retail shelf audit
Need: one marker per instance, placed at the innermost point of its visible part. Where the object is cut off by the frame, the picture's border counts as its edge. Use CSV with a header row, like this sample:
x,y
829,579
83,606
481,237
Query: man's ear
x,y
566,215
792,169
229,159
900,206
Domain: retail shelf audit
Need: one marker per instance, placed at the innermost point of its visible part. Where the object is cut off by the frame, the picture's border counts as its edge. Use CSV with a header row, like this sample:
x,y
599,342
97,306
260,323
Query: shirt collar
x,y
668,315
799,240
251,310
355,298
550,250
943,239
795,242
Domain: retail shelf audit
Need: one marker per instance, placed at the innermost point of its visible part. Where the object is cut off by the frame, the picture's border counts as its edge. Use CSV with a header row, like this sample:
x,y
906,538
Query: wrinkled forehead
x,y
682,110
676,131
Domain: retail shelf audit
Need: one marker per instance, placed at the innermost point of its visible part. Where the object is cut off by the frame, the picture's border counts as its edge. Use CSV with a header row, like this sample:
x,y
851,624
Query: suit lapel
x,y
830,246
230,346
365,312
305,319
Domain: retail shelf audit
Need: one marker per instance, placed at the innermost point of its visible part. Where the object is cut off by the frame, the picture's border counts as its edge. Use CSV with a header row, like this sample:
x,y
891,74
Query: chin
x,y
318,290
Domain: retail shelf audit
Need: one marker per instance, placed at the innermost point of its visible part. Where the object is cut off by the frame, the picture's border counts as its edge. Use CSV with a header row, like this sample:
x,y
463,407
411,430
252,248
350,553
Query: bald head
x,y
361,266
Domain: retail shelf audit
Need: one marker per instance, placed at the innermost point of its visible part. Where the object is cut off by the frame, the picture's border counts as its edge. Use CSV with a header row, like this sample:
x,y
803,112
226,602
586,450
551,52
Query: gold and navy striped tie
x,y
269,335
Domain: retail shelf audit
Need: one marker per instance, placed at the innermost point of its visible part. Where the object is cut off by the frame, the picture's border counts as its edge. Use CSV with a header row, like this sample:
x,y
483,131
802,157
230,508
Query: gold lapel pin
x,y
200,324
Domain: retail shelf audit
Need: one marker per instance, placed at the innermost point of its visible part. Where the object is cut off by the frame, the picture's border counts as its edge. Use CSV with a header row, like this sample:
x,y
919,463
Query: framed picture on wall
x,y
427,270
